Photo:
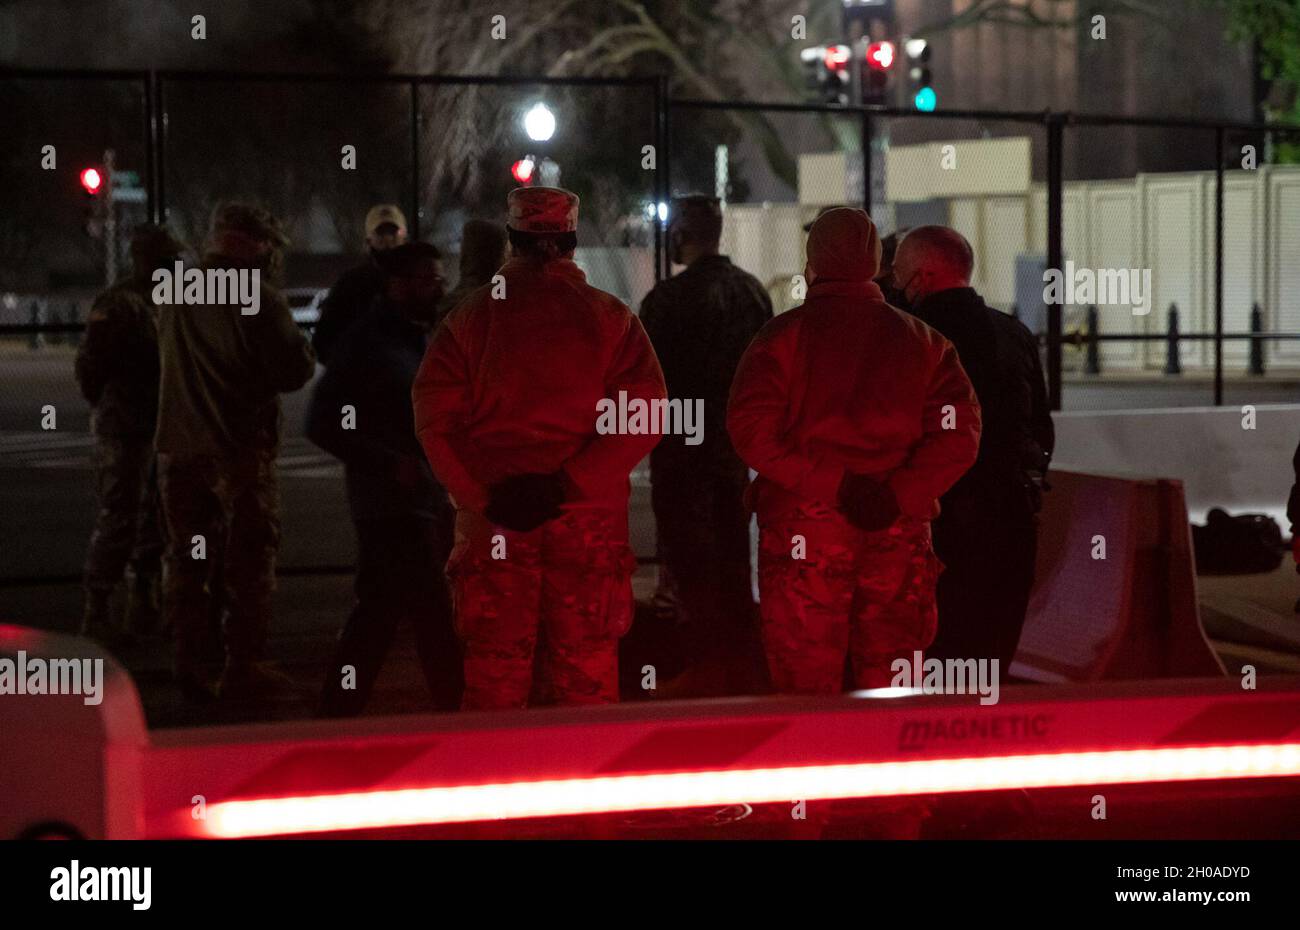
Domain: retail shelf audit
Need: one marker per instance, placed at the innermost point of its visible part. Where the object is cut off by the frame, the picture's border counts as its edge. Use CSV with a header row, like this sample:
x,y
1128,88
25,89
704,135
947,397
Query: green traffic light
x,y
926,100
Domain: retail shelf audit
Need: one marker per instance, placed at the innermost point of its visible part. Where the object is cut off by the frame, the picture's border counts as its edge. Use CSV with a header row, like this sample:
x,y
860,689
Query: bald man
x,y
857,418
987,532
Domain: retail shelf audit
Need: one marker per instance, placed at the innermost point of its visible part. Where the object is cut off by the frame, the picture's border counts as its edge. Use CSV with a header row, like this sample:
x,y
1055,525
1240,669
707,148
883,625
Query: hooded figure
x,y
857,418
508,406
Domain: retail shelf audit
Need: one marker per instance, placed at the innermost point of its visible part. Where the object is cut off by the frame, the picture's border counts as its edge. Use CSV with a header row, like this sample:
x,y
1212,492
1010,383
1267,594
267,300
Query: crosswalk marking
x,y
41,450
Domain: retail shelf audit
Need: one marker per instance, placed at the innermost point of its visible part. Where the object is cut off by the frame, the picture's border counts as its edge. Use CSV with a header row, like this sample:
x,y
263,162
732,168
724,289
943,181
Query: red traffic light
x,y
880,55
836,57
91,180
523,170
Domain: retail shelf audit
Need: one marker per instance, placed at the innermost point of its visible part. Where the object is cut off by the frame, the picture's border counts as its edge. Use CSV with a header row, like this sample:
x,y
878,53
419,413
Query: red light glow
x,y
880,55
598,795
522,170
836,57
91,180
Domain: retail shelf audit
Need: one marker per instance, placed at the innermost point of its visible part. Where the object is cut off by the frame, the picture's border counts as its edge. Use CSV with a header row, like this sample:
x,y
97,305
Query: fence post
x,y
662,183
1173,363
1092,364
1055,249
416,198
1256,345
866,131
1218,266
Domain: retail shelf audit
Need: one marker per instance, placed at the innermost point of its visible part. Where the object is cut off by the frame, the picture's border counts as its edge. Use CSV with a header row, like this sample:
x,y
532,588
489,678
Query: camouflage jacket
x,y
117,362
223,372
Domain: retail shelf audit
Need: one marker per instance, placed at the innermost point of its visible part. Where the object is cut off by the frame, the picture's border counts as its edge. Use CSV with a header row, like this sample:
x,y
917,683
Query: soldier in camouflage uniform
x,y
857,417
506,406
117,371
700,323
218,436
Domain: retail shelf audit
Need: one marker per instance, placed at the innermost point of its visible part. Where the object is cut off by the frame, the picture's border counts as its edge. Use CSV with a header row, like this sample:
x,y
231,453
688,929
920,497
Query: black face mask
x,y
896,297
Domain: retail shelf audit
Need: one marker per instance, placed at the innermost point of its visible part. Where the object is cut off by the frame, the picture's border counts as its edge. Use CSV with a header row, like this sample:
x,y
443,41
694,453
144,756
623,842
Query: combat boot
x,y
142,613
96,618
97,621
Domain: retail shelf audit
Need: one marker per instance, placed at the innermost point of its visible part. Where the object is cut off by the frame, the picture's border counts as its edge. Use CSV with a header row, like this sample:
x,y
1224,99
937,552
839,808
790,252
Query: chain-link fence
x,y
318,151
1175,245
1153,258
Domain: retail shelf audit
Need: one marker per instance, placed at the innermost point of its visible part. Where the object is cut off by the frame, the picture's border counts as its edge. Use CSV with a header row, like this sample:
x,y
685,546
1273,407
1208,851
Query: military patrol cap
x,y
542,210
250,220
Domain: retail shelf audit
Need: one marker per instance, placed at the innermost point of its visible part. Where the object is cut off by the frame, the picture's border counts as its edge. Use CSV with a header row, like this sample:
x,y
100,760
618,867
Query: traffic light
x,y
92,187
826,72
879,64
91,181
919,79
522,170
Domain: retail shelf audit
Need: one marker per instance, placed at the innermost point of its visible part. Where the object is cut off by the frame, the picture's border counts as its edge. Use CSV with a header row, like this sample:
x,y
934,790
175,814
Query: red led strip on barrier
x,y
598,795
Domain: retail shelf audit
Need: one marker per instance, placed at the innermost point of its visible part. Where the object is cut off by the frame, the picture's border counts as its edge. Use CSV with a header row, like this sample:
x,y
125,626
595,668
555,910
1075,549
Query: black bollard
x,y
1256,345
36,340
74,316
1092,363
55,337
1173,362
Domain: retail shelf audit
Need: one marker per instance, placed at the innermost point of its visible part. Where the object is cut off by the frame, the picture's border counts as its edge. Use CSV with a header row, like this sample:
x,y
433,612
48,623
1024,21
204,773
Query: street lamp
x,y
539,123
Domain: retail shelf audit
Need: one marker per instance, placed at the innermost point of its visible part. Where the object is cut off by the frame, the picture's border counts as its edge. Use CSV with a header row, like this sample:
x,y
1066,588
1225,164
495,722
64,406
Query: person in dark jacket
x,y
700,322
987,532
356,291
117,371
361,412
482,252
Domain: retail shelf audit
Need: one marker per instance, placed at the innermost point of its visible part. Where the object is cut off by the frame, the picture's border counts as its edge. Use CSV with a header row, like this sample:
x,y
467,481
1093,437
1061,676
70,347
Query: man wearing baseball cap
x,y
857,418
218,436
507,404
358,289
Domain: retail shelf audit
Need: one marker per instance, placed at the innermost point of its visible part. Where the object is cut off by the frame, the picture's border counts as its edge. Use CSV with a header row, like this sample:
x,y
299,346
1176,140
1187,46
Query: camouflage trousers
x,y
126,523
234,504
867,596
570,580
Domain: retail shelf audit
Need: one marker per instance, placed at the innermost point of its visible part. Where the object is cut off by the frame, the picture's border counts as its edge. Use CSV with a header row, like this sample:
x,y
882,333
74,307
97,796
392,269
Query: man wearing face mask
x,y
355,292
361,412
987,532
700,322
223,370
857,417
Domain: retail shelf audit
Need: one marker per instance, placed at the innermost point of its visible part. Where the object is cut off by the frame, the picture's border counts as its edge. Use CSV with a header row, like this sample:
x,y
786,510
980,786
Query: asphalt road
x,y
47,502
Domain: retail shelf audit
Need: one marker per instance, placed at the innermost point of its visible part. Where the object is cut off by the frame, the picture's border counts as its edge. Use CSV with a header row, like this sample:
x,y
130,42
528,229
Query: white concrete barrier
x,y
1220,463
1115,587
69,760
